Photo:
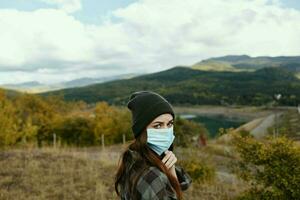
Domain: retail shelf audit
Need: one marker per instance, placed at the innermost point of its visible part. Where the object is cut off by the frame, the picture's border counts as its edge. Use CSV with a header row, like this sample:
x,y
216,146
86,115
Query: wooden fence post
x,y
124,138
54,140
102,141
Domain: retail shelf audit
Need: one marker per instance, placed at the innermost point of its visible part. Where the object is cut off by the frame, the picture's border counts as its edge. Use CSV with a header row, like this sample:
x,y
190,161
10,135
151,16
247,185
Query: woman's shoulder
x,y
154,184
150,174
154,174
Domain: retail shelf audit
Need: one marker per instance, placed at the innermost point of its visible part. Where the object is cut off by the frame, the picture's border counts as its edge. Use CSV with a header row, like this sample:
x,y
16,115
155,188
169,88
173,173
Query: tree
x,y
122,125
34,110
105,122
9,134
75,130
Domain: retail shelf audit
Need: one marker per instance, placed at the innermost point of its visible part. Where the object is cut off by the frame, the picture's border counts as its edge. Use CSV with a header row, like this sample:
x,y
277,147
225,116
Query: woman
x,y
147,169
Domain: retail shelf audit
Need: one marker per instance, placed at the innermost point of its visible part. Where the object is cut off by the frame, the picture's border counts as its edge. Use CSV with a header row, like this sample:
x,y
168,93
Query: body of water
x,y
213,123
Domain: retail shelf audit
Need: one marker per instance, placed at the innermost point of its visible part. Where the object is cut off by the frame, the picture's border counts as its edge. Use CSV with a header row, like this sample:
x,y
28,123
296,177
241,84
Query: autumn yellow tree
x,y
35,116
9,134
104,122
122,125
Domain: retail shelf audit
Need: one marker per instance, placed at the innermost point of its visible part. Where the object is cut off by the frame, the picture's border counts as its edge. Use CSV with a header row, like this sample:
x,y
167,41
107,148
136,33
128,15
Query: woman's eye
x,y
170,124
157,126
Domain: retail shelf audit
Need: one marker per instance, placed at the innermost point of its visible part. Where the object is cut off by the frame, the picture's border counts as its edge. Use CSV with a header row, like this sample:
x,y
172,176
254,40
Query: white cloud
x,y
69,6
46,35
209,28
148,35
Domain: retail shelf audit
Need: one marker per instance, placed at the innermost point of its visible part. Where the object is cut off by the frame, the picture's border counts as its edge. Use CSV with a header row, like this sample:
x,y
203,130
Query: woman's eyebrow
x,y
162,122
158,122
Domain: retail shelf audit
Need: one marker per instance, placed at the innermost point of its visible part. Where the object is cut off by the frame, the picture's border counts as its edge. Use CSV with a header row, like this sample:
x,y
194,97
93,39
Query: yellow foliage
x,y
8,122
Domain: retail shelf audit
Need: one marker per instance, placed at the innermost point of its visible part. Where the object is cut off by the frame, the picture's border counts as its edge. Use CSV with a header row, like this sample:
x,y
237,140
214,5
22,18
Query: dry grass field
x,y
87,173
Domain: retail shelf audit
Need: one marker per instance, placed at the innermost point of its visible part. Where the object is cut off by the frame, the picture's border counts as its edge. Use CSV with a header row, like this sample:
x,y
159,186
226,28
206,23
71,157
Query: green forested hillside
x,y
183,85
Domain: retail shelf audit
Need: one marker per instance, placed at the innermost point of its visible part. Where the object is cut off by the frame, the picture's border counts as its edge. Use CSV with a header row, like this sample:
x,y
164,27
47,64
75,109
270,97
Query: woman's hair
x,y
147,158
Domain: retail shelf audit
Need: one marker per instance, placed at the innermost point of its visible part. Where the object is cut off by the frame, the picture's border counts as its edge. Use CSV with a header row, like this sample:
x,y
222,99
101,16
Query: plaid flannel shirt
x,y
155,185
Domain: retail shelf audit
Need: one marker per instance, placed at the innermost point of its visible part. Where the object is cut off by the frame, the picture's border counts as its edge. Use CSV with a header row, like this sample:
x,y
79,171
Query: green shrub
x,y
199,171
224,131
187,132
244,133
272,167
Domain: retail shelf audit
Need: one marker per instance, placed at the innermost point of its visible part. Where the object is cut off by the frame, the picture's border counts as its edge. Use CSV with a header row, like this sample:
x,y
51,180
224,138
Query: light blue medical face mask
x,y
159,140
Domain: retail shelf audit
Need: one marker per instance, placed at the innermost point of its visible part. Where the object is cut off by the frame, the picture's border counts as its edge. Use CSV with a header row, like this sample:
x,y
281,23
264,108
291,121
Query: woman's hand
x,y
169,160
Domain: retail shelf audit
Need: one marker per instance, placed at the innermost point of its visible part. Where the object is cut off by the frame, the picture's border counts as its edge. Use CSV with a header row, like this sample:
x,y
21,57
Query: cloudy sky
x,y
59,40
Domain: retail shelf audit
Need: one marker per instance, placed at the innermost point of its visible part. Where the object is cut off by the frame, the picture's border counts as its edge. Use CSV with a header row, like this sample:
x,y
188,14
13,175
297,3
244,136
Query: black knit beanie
x,y
145,106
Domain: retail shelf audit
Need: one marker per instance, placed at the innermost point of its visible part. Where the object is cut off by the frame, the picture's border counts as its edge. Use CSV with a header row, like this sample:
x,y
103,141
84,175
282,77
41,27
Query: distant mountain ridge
x,y
247,63
25,84
37,87
187,86
228,80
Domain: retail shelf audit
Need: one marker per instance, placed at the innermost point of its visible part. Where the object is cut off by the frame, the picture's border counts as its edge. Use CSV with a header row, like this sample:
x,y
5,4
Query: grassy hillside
x,y
77,173
186,86
247,63
214,66
217,170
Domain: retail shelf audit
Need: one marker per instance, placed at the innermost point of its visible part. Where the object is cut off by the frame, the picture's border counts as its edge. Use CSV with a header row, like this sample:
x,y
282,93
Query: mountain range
x,y
242,81
37,87
228,80
247,63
